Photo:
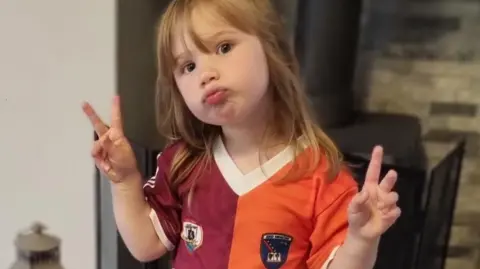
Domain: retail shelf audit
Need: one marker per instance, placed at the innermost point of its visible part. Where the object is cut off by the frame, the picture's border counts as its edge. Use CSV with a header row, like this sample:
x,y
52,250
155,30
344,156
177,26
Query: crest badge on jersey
x,y
192,235
274,248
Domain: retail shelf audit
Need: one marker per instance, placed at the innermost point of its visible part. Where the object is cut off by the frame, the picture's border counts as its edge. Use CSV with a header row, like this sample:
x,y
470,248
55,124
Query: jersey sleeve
x,y
166,208
331,221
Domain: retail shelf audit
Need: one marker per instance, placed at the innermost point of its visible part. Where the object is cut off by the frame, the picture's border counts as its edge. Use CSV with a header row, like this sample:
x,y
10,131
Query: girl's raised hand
x,y
112,152
374,209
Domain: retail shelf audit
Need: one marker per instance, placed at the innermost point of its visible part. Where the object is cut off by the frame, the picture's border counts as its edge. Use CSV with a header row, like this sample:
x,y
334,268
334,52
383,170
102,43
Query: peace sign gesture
x,y
112,153
374,209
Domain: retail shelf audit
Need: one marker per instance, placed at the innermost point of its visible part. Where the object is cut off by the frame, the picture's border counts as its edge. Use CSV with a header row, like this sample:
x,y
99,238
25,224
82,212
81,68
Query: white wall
x,y
53,55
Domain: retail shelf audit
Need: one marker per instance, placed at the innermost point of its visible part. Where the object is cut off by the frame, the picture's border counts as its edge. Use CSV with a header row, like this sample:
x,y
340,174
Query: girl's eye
x,y
224,48
188,68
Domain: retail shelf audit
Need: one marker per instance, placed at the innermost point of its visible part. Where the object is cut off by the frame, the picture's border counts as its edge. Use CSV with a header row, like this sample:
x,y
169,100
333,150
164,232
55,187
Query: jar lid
x,y
35,240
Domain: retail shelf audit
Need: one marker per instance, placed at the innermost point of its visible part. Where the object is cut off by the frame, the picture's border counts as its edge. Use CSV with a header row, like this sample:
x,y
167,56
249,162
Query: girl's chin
x,y
222,115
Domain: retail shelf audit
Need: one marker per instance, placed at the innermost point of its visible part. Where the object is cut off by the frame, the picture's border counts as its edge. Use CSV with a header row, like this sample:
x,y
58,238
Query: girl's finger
x,y
99,126
100,145
373,171
388,182
103,165
392,215
358,202
97,150
386,200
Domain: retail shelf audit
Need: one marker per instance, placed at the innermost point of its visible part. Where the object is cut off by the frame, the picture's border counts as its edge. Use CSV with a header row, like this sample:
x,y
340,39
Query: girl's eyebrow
x,y
217,34
179,56
210,39
207,38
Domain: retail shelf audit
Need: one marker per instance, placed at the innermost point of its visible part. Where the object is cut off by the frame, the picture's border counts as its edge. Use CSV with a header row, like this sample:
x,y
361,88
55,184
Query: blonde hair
x,y
292,119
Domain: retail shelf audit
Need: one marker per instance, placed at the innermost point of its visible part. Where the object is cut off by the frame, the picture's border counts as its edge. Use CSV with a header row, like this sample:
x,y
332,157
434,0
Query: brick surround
x,y
422,57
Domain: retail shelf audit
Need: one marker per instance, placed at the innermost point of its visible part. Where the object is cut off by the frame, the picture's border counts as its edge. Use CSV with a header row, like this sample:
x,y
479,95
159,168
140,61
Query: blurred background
x,y
402,73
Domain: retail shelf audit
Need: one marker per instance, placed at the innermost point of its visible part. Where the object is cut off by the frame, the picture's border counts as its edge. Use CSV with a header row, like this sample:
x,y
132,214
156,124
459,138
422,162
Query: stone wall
x,y
422,57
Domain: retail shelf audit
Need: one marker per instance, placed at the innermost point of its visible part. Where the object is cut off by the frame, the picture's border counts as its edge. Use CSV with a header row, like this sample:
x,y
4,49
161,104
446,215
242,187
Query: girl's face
x,y
225,83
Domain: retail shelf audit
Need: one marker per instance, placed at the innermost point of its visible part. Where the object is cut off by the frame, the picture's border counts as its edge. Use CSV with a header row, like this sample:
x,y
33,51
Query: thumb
x,y
359,202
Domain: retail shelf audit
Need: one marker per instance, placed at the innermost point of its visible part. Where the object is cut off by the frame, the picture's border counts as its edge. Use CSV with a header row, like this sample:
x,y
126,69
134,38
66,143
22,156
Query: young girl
x,y
248,180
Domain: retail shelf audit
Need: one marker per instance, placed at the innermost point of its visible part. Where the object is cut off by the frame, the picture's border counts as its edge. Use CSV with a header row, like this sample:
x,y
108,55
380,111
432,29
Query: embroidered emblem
x,y
274,249
192,234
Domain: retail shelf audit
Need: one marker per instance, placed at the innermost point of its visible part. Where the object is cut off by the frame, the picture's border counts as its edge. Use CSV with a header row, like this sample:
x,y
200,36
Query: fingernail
x,y
106,167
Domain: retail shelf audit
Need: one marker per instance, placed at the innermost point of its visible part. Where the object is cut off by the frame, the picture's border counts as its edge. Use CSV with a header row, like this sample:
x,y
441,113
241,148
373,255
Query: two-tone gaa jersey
x,y
249,221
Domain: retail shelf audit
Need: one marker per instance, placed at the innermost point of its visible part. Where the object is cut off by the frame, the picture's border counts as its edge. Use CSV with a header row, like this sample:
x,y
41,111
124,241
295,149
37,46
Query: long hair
x,y
291,116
